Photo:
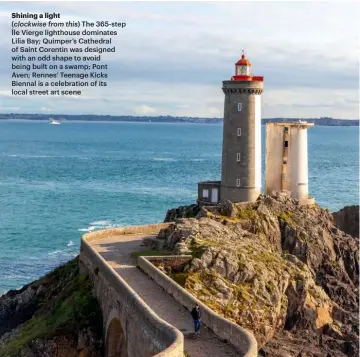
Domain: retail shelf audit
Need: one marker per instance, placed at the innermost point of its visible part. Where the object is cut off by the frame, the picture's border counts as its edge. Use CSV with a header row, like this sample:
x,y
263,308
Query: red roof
x,y
243,61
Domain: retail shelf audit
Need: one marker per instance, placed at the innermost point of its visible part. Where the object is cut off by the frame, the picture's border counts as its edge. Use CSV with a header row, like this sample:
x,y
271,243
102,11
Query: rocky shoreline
x,y
288,273
55,316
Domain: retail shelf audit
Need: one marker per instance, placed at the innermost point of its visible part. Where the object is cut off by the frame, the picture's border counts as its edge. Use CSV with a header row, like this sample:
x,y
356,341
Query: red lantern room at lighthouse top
x,y
243,71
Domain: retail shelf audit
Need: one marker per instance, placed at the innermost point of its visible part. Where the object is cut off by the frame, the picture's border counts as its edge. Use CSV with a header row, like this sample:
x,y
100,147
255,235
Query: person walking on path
x,y
196,315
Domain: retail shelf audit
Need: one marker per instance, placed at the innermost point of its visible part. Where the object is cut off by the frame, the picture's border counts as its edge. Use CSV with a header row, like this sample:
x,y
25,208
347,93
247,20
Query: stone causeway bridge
x,y
145,313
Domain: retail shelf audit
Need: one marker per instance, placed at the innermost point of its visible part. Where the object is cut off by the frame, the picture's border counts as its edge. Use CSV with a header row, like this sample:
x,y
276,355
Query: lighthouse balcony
x,y
247,78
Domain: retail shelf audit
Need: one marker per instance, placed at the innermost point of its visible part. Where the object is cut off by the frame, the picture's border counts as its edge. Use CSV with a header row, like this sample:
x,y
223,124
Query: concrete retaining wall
x,y
240,338
149,228
144,333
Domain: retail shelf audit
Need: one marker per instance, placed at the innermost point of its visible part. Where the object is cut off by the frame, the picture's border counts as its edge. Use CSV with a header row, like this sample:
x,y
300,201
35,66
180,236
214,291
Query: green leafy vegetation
x,y
68,306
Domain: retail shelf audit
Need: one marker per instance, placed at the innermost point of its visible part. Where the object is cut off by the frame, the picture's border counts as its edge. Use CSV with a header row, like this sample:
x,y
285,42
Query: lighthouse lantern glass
x,y
243,70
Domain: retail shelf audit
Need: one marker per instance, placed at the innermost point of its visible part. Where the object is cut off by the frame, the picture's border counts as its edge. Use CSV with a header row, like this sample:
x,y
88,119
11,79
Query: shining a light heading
x,y
28,15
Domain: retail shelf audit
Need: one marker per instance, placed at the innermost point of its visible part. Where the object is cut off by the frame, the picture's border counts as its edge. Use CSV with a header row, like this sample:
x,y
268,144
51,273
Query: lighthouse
x,y
286,160
241,152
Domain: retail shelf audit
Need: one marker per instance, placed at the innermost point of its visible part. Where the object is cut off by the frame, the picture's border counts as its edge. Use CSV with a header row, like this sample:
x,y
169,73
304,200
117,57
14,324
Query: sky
x,y
172,57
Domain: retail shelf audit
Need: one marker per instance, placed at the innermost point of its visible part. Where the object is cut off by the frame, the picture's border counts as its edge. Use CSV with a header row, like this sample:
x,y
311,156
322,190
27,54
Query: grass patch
x,y
198,245
209,243
303,238
246,213
179,278
287,217
196,249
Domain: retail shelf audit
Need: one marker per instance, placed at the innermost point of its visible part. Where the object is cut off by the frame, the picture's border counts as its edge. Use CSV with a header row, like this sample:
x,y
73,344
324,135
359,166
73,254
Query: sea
x,y
58,182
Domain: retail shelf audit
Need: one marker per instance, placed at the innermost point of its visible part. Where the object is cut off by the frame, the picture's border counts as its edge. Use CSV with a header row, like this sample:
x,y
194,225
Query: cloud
x,y
145,110
214,111
46,109
7,109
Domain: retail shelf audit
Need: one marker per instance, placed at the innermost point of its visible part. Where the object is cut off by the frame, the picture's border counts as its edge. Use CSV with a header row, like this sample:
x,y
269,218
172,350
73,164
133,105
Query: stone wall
x,y
175,262
240,338
142,332
149,228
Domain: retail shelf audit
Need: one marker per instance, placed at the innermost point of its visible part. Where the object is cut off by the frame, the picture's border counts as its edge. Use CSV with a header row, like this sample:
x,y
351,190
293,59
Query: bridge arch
x,y
115,340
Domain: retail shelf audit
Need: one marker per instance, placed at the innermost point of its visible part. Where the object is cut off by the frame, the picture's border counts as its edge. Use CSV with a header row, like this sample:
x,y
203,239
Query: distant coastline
x,y
323,121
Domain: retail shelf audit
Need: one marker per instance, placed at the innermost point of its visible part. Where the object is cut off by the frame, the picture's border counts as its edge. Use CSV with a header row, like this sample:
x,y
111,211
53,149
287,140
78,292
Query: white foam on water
x,y
88,229
98,225
29,156
56,252
170,159
64,253
101,223
15,276
26,156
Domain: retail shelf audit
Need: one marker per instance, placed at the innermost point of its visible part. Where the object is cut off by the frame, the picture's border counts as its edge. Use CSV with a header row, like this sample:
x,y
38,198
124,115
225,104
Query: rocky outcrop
x,y
182,212
347,219
82,344
281,270
55,316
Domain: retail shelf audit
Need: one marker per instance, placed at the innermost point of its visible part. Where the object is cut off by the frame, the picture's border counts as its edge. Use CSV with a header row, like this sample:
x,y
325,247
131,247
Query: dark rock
x,y
182,212
227,209
347,219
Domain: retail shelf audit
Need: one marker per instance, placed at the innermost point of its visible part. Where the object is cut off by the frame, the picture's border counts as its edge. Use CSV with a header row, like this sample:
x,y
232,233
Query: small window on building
x,y
205,193
238,156
238,182
286,143
286,129
239,107
239,132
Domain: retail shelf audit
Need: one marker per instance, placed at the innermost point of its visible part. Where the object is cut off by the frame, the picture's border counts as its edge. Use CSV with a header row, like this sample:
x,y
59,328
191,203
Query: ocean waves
x,y
98,225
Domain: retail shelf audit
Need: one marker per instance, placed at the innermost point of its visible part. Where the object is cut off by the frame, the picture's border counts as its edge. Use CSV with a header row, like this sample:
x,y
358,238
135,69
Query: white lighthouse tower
x,y
286,163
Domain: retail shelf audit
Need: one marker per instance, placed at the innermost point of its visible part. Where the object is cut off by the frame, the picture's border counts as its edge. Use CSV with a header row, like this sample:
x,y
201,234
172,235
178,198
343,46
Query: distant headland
x,y
323,121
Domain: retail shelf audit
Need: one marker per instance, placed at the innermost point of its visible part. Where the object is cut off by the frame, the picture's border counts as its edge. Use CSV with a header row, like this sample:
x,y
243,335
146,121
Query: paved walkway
x,y
117,251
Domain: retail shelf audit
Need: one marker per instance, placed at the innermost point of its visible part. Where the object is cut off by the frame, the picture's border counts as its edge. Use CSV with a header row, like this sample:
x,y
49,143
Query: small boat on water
x,y
53,121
